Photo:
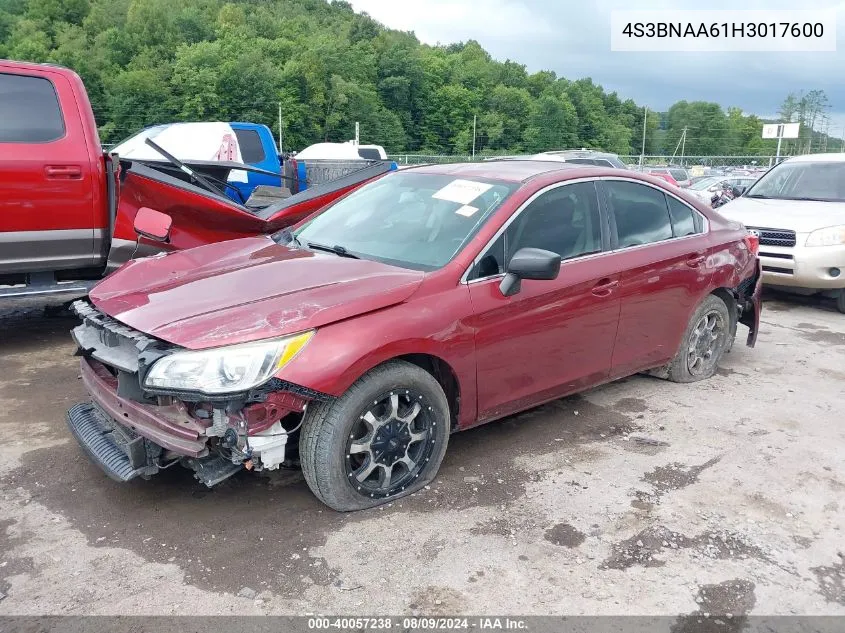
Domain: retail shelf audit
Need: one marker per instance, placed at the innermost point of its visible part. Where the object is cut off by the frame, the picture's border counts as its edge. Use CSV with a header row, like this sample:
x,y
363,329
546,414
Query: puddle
x,y
631,405
831,580
648,548
723,608
676,476
564,535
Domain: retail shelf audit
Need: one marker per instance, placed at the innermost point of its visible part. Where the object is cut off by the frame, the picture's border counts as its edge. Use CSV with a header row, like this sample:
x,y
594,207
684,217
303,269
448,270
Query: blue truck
x,y
243,157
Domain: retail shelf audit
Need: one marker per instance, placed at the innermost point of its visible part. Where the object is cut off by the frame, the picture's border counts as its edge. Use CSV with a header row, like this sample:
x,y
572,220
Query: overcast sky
x,y
572,37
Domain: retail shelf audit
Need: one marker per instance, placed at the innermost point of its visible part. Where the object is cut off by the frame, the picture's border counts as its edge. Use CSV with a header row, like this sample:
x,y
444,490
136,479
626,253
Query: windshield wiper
x,y
757,195
338,250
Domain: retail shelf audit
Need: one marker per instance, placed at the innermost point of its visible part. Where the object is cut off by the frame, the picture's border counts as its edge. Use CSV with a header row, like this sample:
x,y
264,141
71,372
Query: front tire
x,y
384,438
840,301
705,341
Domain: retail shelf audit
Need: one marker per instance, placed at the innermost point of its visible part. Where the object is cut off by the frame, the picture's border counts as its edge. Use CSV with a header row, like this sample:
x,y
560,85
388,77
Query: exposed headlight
x,y
225,369
830,236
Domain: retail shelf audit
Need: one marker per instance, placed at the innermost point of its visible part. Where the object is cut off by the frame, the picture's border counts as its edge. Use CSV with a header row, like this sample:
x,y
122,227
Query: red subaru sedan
x,y
428,301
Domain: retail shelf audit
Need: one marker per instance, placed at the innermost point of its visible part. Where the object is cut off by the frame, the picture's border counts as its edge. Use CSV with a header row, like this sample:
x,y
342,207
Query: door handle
x,y
696,261
604,287
63,172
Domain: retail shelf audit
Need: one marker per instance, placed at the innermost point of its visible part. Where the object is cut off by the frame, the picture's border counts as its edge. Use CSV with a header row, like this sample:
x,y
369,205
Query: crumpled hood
x,y
796,215
245,290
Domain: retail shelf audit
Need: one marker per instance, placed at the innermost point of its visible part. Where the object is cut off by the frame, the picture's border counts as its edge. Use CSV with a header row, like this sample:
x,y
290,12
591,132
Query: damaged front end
x,y
131,429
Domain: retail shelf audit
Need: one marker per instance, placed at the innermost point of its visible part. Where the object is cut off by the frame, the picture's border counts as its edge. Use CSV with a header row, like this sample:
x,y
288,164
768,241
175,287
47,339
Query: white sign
x,y
781,130
461,191
770,130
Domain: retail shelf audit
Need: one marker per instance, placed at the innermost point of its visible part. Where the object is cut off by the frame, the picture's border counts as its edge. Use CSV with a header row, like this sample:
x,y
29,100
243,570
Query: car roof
x,y
8,64
513,170
818,158
579,152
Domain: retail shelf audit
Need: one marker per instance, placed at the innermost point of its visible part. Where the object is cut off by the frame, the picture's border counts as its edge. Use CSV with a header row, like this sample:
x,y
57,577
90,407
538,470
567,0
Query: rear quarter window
x,y
252,150
685,221
29,110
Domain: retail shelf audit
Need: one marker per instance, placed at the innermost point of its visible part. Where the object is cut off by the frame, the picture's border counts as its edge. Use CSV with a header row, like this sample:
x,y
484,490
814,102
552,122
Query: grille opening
x,y
777,255
775,237
778,269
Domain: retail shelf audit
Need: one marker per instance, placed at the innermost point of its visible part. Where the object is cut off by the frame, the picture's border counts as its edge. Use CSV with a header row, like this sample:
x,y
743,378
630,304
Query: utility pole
x,y
474,120
642,153
682,143
281,151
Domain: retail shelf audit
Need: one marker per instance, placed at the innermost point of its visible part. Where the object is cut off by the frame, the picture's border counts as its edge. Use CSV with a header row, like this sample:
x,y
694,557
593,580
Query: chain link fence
x,y
713,162
746,162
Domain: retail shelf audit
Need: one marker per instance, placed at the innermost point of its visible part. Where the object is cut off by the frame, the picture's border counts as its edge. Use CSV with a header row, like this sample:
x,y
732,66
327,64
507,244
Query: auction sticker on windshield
x,y
461,191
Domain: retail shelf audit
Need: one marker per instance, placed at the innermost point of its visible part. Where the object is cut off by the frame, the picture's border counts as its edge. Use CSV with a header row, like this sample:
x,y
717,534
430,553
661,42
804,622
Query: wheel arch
x,y
444,374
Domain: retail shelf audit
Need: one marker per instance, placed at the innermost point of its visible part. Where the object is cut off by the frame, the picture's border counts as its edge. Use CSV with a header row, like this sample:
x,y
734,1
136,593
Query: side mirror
x,y
738,190
529,263
152,224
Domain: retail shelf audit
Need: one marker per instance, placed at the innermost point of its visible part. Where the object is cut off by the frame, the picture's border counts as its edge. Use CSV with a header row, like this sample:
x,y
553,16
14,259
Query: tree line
x,y
156,61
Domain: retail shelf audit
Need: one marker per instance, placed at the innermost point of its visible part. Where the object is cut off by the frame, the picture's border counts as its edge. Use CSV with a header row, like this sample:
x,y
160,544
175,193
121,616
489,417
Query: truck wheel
x,y
840,301
705,341
382,439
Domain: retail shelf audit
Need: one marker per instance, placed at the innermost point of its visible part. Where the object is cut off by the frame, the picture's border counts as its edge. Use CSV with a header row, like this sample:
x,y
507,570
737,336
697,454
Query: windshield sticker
x,y
467,211
461,191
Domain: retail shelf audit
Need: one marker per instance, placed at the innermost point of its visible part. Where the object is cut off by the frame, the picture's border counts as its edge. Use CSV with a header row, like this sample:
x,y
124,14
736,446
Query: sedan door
x,y
552,337
661,249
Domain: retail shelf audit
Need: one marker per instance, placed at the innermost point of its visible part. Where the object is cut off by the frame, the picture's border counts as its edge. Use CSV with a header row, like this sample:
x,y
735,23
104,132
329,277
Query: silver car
x,y
705,188
798,210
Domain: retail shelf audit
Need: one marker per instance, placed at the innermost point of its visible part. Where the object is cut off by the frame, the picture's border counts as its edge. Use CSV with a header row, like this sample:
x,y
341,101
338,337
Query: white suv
x,y
798,209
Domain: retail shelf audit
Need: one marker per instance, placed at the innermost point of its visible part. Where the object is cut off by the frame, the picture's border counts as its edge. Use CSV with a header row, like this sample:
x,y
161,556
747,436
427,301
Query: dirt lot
x,y
726,496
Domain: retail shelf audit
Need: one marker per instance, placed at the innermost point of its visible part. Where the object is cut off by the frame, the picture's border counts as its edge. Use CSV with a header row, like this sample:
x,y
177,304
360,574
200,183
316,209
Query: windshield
x,y
701,185
823,181
679,174
413,220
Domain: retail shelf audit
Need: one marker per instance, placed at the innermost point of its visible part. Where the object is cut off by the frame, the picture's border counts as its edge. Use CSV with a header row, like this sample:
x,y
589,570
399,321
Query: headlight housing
x,y
829,236
224,370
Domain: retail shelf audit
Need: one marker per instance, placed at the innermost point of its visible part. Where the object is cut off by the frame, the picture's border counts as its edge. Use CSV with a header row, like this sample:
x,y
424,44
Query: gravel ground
x,y
639,497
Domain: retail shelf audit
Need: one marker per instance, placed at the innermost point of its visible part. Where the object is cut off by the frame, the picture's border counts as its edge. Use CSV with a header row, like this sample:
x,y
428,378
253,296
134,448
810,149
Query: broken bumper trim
x,y
82,419
140,418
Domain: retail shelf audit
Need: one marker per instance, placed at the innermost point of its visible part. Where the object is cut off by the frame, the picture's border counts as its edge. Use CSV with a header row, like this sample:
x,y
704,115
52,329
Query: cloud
x,y
573,39
447,21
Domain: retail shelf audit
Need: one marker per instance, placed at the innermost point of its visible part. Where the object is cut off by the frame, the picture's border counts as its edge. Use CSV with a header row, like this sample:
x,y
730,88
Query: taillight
x,y
752,241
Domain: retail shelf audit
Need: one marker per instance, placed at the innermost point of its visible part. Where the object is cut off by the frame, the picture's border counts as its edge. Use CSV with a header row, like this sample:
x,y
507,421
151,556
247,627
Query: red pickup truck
x,y
67,208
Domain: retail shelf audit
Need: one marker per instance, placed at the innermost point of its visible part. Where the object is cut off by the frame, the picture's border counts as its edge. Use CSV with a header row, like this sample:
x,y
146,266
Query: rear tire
x,y
705,341
384,438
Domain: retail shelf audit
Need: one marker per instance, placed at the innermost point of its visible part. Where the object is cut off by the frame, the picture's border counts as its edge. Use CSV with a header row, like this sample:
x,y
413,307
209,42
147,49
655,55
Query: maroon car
x,y
428,301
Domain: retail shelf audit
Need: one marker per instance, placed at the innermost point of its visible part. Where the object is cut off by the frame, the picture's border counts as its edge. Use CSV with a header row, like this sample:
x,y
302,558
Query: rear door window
x,y
29,110
369,153
640,213
252,149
